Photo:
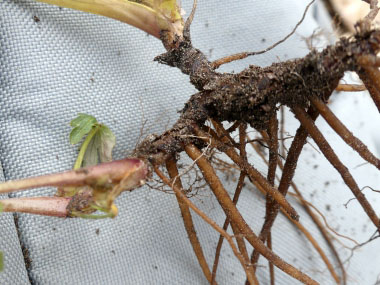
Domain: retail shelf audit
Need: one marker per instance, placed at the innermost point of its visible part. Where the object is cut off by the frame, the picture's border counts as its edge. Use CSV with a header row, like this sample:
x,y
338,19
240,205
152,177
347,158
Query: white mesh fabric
x,y
14,269
68,62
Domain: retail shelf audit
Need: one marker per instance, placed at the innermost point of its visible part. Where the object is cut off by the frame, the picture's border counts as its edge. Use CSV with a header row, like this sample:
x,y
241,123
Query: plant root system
x,y
252,98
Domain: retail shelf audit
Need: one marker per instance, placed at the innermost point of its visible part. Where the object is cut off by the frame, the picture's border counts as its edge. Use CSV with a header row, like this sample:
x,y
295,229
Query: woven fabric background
x,y
55,63
14,268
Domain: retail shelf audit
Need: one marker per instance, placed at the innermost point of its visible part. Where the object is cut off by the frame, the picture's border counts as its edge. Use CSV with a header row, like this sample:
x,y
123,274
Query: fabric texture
x,y
15,268
56,63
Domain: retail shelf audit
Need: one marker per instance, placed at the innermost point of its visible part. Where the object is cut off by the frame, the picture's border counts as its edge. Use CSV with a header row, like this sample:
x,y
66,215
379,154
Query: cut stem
x,y
132,13
106,173
47,206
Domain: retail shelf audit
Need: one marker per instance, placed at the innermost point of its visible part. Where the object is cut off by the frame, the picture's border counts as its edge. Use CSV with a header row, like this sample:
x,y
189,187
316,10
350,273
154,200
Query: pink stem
x,y
110,172
47,206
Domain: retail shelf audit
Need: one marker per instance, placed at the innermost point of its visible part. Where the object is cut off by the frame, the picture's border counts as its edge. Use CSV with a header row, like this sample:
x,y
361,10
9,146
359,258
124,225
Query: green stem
x,y
92,216
1,261
83,148
109,213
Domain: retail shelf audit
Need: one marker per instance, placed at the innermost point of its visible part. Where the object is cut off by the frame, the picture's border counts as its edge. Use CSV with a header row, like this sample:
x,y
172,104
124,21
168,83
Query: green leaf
x,y
82,125
96,146
1,261
100,147
1,207
138,15
82,119
91,156
107,143
170,9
